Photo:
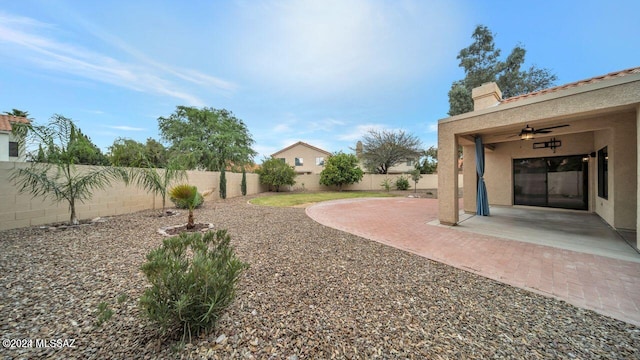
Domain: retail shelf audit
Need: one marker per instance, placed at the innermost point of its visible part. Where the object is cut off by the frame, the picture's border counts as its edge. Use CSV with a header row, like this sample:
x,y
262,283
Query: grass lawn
x,y
285,200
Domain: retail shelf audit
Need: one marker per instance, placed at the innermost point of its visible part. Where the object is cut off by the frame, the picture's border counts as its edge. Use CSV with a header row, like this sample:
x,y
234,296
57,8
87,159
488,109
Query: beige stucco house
x,y
573,146
305,158
10,145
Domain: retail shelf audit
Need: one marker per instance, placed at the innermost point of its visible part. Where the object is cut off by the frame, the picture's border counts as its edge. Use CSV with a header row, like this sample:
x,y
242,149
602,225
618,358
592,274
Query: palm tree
x,y
58,178
188,195
156,181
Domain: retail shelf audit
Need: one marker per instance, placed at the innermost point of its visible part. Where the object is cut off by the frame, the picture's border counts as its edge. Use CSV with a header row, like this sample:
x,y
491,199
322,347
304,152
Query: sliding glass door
x,y
553,182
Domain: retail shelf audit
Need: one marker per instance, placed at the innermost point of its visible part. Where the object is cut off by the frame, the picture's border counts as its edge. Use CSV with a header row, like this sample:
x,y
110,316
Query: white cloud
x,y
33,41
126,128
433,127
326,124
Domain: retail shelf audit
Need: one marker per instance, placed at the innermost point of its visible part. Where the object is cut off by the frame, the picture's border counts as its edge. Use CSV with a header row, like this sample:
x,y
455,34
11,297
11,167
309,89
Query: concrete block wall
x,y
20,210
369,182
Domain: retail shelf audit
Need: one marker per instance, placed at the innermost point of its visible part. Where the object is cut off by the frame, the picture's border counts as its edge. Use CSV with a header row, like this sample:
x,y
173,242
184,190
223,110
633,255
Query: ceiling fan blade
x,y
552,127
542,131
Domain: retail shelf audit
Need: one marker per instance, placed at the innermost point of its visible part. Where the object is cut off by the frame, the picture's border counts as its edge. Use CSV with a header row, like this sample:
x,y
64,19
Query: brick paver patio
x,y
608,286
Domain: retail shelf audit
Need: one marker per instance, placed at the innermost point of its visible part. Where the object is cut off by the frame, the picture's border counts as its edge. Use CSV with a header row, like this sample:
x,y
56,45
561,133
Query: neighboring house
x,y
305,158
573,146
403,167
11,148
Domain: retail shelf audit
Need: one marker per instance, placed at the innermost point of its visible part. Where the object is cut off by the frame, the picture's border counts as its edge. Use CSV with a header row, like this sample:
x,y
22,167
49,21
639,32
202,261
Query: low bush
x,y
193,279
402,183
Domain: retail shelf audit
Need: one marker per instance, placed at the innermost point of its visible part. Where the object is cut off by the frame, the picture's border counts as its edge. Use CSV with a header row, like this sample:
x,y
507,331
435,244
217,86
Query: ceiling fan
x,y
528,132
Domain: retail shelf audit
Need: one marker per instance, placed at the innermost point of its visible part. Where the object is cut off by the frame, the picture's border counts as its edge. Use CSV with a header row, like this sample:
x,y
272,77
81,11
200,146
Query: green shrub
x,y
193,278
182,204
402,183
386,184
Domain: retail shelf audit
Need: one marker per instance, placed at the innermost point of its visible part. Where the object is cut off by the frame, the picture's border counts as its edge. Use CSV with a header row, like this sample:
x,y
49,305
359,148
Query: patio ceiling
x,y
577,124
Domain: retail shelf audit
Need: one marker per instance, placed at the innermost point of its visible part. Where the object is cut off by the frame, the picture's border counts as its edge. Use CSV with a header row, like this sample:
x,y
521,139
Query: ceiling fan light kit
x,y
527,133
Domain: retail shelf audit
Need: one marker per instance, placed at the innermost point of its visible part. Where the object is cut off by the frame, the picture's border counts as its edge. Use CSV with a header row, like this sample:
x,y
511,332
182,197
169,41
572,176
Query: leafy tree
x,y
158,181
128,152
223,184
341,169
384,149
482,64
429,163
58,178
187,195
415,176
275,172
243,183
207,138
79,147
16,112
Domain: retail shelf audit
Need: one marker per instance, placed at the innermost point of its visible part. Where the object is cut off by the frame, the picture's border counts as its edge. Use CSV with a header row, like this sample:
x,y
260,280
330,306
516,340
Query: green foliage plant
x,y
243,183
481,63
193,279
341,169
275,173
158,181
223,184
187,195
181,204
104,313
386,184
402,183
58,178
207,138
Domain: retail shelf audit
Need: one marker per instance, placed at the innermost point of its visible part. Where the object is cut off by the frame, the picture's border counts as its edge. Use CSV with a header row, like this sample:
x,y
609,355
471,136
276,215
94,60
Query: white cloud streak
x,y
31,40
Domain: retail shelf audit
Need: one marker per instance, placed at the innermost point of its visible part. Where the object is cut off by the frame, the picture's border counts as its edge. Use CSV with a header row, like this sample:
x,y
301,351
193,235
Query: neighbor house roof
x,y
303,144
6,120
613,75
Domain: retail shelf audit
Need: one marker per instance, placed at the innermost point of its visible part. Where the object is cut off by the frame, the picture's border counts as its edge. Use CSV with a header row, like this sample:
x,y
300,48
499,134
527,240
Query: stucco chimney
x,y
486,95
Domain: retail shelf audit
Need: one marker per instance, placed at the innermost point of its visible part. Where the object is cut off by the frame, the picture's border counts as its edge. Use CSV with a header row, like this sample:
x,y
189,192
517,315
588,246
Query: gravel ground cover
x,y
311,293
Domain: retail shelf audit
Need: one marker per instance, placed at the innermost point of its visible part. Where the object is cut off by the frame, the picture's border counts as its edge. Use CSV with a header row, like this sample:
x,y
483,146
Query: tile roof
x,y
6,120
613,75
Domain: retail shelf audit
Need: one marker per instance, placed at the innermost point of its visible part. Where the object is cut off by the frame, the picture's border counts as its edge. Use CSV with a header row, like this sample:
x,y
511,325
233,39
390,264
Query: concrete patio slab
x,y
609,285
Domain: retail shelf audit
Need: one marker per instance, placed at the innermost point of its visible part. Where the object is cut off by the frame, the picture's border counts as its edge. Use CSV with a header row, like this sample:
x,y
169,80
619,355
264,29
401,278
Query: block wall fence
x,y
21,210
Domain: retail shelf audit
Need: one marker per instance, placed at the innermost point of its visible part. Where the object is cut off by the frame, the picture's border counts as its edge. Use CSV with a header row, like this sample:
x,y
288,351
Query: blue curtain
x,y
482,202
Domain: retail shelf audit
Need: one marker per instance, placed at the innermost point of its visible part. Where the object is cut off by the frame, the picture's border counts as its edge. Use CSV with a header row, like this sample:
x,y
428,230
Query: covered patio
x,y
577,231
574,146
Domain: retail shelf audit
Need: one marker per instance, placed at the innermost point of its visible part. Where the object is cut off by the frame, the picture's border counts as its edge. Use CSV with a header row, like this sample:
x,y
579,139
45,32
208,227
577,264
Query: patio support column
x,y
447,176
470,176
638,174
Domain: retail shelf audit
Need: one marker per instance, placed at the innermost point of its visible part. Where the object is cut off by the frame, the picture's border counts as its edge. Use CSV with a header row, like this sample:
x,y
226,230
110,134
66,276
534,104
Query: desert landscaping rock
x,y
311,292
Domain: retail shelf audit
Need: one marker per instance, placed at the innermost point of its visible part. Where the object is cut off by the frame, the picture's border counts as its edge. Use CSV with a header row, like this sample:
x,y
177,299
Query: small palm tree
x,y
188,195
156,181
57,177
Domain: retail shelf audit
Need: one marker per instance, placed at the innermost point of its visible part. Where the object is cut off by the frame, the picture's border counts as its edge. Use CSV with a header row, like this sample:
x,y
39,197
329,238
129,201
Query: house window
x,y
299,162
603,173
319,161
13,149
284,161
410,162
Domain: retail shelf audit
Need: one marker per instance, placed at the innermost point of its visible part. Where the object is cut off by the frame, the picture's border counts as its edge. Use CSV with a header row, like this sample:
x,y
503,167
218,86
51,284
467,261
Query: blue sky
x,y
323,72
